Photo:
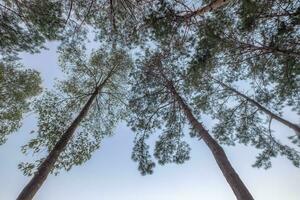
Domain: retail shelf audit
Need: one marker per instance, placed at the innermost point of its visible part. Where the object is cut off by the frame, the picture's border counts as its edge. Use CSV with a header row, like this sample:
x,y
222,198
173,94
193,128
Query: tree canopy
x,y
56,109
161,65
17,87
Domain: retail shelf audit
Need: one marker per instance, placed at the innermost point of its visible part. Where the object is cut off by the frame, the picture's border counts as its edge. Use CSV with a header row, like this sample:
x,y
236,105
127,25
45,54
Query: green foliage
x,y
243,123
26,25
253,44
255,41
248,14
235,45
238,120
17,87
142,156
46,17
250,42
160,21
170,148
153,108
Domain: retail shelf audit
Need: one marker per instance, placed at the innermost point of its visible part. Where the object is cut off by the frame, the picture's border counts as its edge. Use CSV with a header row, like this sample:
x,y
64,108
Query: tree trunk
x,y
207,8
240,190
295,127
45,168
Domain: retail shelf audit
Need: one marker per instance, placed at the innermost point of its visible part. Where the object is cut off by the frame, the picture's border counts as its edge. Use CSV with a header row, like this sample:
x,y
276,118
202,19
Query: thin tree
x,y
98,81
272,115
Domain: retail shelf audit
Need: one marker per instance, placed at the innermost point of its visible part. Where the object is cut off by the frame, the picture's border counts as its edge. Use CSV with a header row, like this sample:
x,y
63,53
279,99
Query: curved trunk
x,y
240,190
289,124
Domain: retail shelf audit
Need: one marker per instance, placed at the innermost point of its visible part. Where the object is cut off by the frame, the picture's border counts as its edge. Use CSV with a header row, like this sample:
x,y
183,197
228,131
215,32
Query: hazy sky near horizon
x,y
112,175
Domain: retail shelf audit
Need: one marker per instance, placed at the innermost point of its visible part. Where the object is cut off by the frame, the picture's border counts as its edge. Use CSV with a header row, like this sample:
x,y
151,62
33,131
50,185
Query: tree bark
x,y
207,8
240,190
289,124
48,164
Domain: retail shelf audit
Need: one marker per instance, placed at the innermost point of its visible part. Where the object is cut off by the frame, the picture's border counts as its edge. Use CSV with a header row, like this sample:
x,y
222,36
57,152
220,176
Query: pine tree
x,y
72,123
157,104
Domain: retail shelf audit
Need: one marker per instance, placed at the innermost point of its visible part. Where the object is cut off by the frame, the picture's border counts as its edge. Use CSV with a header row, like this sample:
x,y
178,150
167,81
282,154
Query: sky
x,y
112,175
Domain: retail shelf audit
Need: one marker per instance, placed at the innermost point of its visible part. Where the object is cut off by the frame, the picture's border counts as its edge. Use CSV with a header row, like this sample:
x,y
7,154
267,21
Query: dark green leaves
x,y
171,149
140,154
17,87
26,25
153,108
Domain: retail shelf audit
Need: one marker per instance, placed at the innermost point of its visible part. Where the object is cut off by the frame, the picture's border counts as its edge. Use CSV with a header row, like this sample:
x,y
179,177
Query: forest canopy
x,y
160,66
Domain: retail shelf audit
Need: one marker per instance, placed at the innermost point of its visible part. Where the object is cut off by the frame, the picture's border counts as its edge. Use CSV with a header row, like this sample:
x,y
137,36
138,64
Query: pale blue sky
x,y
112,175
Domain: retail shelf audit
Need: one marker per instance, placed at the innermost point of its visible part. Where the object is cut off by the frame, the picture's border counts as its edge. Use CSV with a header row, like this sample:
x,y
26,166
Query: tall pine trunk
x,y
240,190
48,164
289,124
